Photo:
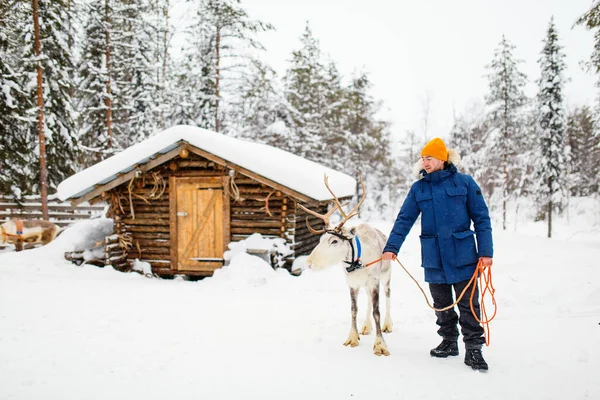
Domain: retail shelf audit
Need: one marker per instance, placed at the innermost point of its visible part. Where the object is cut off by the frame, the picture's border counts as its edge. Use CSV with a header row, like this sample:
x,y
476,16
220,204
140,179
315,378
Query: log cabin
x,y
181,196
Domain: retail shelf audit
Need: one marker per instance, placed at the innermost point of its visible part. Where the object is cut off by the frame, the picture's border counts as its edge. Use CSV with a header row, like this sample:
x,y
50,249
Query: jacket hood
x,y
453,158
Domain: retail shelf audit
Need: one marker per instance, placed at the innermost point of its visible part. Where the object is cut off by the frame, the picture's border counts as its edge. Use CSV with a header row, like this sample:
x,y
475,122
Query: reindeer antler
x,y
266,200
324,217
354,210
337,206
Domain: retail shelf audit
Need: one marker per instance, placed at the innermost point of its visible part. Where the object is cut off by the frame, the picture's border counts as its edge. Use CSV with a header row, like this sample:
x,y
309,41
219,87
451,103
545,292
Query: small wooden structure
x,y
177,205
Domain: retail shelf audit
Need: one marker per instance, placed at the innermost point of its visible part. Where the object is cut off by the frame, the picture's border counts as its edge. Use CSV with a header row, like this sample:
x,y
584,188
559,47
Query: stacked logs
x,y
114,254
263,210
141,224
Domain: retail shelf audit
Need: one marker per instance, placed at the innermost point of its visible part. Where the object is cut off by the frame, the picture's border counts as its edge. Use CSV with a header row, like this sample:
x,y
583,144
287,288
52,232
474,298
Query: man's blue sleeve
x,y
409,212
479,214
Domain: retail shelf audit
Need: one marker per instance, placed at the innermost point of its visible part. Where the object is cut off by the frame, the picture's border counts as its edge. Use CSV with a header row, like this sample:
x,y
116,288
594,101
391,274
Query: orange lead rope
x,y
485,276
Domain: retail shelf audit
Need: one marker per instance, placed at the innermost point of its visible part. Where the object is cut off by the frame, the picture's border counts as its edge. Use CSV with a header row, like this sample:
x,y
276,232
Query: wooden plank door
x,y
200,221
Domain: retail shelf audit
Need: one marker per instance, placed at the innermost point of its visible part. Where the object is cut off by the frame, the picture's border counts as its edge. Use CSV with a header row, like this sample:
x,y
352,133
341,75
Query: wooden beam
x,y
122,178
226,214
174,255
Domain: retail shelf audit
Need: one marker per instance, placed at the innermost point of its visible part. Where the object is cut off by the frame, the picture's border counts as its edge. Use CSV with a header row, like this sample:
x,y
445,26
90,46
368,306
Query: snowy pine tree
x,y
93,98
135,85
56,59
408,153
120,88
591,20
551,126
160,20
257,106
306,92
59,83
366,141
193,97
16,141
468,136
506,100
219,53
584,153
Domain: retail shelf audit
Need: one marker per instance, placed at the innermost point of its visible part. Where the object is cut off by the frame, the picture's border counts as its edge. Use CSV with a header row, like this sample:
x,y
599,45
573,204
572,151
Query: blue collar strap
x,y
355,263
358,247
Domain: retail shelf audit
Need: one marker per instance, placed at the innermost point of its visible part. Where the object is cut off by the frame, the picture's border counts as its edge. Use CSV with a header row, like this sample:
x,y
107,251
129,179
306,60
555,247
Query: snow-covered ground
x,y
69,332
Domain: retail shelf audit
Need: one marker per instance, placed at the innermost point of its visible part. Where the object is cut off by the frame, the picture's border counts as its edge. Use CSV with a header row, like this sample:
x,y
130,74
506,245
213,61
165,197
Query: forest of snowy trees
x,y
111,76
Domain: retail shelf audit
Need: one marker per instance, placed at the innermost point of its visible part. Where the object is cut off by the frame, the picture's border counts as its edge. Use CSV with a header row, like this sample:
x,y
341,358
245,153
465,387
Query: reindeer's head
x,y
335,244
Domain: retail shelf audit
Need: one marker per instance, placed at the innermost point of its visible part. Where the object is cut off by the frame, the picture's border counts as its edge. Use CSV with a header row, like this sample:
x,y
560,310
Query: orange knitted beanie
x,y
435,148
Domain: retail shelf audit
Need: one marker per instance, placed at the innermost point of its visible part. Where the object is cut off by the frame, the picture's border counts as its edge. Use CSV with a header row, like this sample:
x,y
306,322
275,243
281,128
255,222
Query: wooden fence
x,y
62,214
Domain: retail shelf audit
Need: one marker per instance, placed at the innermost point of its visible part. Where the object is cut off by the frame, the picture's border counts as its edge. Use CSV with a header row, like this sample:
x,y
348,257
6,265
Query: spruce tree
x,y
55,62
58,72
408,153
591,20
584,153
16,142
193,97
257,104
506,100
366,142
120,88
93,97
134,72
163,30
219,51
344,120
551,125
468,136
305,93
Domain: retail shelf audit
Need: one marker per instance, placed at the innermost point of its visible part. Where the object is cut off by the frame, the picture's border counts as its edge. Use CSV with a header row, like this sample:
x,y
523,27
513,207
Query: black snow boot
x,y
445,349
474,359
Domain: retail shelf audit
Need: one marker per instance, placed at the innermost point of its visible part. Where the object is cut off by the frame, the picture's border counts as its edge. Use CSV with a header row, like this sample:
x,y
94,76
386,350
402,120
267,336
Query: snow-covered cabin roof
x,y
278,166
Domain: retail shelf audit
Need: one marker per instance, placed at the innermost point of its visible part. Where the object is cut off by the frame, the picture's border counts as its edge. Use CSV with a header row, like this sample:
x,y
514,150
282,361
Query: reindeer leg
x,y
387,323
379,347
19,245
353,337
368,327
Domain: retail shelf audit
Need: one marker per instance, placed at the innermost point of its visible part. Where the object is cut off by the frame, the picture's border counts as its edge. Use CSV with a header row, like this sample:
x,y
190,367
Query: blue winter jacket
x,y
448,202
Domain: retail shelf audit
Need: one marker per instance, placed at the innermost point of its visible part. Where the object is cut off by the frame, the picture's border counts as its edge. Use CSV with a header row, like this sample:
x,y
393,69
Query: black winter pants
x,y
448,320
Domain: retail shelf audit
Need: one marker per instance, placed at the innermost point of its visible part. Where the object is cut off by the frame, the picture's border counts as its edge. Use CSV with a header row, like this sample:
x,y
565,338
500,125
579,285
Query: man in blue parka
x,y
448,201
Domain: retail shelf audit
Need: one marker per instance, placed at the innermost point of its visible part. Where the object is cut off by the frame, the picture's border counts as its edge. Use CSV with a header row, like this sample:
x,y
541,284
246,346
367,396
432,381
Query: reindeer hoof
x,y
380,348
352,340
387,328
380,352
366,330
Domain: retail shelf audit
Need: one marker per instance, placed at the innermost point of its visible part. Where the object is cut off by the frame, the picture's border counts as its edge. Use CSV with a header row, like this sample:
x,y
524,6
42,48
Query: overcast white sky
x,y
428,48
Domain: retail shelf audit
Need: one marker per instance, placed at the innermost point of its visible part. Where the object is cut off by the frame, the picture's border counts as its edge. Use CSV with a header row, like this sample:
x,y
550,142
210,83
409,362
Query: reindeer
x,y
351,246
17,232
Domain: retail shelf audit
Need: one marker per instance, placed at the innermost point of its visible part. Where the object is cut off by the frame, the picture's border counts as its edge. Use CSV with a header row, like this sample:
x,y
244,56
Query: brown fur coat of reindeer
x,y
351,246
19,232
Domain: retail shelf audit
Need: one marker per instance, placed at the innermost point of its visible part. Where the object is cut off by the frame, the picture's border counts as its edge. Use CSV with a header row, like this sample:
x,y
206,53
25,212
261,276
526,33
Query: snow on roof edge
x,y
287,169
